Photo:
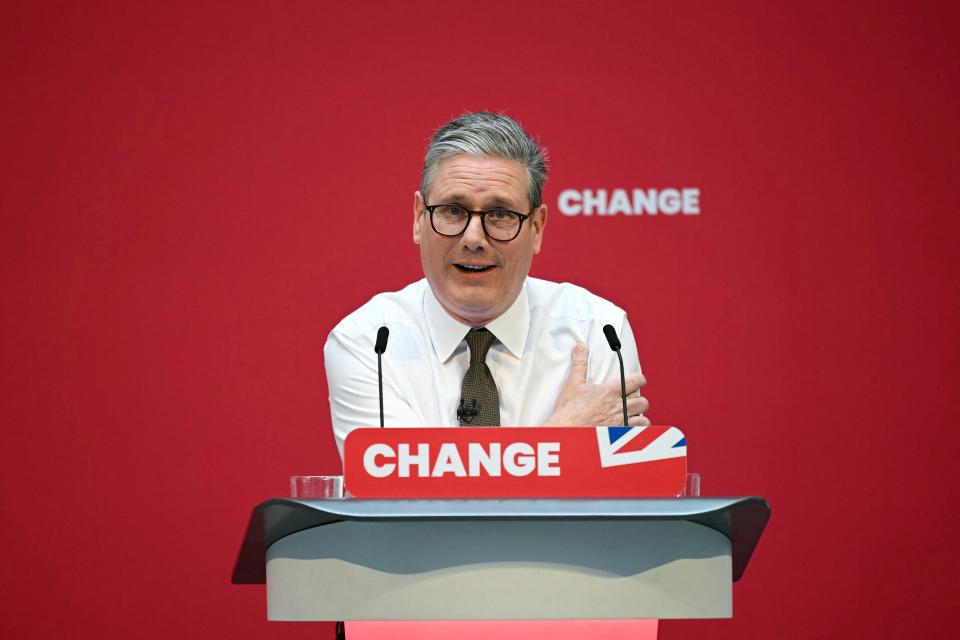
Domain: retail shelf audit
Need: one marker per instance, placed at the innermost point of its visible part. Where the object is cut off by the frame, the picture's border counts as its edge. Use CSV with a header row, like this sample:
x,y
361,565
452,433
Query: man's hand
x,y
582,404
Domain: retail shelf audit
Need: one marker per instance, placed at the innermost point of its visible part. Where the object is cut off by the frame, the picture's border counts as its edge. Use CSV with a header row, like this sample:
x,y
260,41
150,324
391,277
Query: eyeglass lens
x,y
452,220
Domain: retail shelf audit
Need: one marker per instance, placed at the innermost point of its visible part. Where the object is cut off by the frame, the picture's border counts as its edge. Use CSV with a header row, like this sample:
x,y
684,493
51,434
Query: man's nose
x,y
474,235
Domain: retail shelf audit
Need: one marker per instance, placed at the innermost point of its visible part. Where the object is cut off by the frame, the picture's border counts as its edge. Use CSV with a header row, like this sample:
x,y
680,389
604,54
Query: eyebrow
x,y
458,198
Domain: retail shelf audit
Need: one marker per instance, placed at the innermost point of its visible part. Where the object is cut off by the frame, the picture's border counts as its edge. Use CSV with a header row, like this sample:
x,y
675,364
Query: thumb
x,y
578,364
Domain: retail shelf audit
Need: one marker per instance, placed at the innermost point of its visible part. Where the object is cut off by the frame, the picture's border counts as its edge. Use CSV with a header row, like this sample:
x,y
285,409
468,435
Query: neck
x,y
473,322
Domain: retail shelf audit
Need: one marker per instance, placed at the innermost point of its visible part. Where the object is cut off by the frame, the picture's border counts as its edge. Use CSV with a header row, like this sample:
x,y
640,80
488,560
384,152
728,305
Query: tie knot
x,y
479,341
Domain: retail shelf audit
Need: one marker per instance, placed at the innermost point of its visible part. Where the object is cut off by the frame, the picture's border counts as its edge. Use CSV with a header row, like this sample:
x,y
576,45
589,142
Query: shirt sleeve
x,y
351,366
604,365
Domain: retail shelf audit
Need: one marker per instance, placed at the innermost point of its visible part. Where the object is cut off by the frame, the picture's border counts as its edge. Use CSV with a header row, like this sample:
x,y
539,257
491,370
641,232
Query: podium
x,y
518,559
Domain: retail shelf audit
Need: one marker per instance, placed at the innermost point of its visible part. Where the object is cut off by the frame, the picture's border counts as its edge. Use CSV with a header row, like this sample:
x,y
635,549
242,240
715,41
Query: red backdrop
x,y
182,191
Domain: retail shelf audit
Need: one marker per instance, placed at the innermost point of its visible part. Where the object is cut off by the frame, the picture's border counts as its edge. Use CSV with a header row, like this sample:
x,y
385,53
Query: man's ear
x,y
419,209
538,221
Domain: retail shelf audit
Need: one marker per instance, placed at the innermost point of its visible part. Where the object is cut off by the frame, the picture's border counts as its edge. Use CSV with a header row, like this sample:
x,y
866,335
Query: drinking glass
x,y
316,487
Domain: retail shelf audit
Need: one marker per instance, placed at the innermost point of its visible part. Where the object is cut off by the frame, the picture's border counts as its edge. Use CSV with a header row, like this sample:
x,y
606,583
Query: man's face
x,y
478,183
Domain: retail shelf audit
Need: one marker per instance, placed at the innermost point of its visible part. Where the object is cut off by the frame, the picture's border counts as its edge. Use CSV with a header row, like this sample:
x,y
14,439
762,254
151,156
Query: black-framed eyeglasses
x,y
451,220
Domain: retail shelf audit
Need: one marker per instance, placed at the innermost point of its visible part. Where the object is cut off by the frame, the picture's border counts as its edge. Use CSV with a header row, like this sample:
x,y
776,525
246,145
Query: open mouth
x,y
473,268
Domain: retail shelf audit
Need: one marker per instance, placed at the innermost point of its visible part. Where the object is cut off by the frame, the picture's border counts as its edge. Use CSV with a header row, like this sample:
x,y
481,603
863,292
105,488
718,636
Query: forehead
x,y
480,178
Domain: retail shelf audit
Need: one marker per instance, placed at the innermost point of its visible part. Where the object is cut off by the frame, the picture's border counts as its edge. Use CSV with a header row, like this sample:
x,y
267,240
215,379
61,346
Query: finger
x,y
637,405
578,364
634,381
639,421
631,382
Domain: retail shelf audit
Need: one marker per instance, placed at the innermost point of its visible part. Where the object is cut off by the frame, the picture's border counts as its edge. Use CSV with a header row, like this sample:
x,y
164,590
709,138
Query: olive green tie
x,y
479,400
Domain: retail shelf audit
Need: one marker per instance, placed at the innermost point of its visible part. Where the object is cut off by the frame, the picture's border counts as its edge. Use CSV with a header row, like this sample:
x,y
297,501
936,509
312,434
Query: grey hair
x,y
488,134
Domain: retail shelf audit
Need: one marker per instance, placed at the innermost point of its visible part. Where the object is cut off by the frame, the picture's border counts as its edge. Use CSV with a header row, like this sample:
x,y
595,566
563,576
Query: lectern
x,y
518,559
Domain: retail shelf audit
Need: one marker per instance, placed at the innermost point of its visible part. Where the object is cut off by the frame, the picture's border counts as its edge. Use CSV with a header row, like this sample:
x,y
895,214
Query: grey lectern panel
x,y
740,520
501,569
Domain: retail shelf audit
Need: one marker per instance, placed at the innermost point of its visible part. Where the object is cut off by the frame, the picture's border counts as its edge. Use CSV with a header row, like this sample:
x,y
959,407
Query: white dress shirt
x,y
427,356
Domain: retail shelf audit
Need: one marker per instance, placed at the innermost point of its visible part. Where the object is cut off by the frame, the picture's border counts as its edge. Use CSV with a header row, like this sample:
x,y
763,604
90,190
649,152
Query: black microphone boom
x,y
614,343
381,345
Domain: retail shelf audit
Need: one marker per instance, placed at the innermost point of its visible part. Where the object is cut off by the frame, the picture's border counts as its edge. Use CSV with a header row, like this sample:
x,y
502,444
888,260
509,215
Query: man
x,y
477,342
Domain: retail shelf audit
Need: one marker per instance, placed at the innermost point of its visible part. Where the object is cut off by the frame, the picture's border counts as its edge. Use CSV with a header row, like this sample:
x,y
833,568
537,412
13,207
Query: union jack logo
x,y
630,445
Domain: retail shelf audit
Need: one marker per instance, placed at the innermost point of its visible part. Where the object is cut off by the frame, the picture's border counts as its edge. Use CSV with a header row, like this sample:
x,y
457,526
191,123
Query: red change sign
x,y
515,462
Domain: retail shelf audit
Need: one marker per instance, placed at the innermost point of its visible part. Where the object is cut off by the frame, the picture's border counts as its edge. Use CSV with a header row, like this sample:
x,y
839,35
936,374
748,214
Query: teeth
x,y
473,267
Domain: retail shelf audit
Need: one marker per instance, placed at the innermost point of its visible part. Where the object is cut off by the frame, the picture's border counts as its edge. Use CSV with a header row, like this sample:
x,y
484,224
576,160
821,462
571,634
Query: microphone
x,y
382,334
614,343
467,413
381,345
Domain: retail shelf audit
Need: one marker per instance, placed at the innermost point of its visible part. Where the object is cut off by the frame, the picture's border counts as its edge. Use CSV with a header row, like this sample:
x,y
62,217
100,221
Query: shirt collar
x,y
446,334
